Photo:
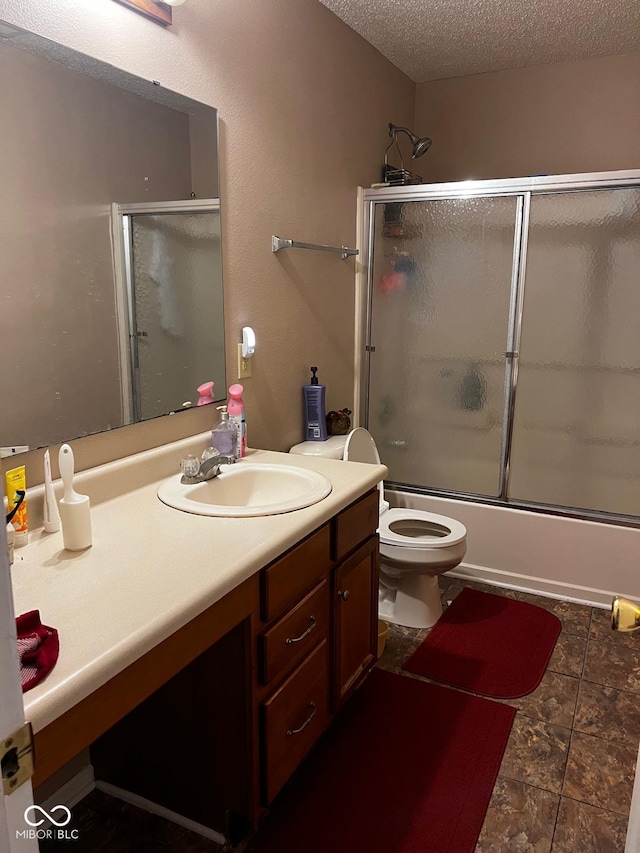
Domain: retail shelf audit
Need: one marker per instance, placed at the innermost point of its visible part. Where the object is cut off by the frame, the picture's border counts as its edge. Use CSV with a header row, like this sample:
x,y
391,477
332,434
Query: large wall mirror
x,y
110,248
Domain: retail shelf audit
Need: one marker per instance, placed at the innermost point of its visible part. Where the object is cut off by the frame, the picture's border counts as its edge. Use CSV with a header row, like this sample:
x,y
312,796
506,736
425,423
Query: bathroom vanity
x,y
201,658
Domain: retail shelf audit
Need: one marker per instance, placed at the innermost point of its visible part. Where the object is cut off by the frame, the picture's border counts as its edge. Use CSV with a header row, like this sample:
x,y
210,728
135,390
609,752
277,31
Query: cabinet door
x,y
355,598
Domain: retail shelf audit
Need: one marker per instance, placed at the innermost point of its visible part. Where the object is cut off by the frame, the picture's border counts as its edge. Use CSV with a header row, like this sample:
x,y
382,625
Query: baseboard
x,y
537,586
154,808
71,793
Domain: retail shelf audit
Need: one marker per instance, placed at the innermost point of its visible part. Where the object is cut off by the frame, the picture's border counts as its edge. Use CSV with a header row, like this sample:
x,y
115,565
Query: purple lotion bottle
x,y
314,409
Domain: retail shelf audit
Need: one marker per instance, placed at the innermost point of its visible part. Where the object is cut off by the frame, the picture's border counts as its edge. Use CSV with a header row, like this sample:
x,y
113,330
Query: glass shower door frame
x,y
524,188
125,297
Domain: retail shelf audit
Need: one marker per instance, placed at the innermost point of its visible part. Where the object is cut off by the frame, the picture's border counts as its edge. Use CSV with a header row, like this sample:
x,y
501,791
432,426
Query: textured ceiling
x,y
451,38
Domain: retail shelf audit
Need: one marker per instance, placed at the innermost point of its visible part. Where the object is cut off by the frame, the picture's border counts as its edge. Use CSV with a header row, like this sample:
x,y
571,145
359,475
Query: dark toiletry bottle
x,y
314,409
473,390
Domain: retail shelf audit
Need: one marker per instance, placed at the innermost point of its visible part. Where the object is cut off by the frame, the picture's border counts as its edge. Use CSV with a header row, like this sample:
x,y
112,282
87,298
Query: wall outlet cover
x,y
244,365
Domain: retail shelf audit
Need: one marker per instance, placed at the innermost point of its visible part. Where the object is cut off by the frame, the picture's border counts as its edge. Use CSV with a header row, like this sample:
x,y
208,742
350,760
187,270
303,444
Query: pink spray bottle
x,y
206,393
235,407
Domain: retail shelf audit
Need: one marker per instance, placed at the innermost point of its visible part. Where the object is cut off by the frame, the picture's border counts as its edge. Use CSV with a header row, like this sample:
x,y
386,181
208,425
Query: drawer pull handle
x,y
343,594
291,640
290,732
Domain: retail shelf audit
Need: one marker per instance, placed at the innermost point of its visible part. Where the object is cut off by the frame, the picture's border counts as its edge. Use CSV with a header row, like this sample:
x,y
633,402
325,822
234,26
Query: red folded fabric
x,y
38,648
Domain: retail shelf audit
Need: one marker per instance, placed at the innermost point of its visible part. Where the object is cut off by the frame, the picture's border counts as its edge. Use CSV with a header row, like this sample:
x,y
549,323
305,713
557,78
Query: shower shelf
x,y
278,243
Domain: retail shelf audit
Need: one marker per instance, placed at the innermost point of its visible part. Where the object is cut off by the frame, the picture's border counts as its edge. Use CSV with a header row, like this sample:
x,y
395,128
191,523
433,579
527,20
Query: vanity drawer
x,y
289,578
291,638
355,524
293,719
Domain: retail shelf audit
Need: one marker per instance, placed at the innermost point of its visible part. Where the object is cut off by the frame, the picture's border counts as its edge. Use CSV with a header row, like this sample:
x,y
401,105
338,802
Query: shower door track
x,y
506,186
524,189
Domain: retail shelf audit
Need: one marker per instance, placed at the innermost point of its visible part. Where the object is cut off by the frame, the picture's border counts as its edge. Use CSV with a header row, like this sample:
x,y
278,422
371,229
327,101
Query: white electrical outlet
x,y
244,365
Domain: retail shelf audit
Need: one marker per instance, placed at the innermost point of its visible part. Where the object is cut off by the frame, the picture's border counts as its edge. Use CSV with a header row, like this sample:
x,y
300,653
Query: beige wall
x,y
304,104
551,119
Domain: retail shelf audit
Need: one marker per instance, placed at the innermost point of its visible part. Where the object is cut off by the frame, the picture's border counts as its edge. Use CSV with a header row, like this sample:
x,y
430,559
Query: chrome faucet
x,y
196,471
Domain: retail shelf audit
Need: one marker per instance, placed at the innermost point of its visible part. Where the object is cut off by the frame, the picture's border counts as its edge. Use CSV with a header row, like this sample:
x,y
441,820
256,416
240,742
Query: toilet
x,y
415,546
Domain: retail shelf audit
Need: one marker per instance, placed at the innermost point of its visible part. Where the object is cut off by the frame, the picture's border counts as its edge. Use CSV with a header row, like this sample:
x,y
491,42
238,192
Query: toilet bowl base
x,y
412,601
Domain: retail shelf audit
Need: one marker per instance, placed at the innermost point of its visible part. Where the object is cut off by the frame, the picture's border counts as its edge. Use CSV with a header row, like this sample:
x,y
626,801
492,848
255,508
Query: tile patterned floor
x,y
566,778
567,775
107,825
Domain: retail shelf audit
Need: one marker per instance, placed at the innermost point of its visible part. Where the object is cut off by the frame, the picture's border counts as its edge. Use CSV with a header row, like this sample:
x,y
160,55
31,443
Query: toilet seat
x,y
435,533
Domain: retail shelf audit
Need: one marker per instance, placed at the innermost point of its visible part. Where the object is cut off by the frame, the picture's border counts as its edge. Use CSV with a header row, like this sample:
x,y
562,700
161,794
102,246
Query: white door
x,y
14,830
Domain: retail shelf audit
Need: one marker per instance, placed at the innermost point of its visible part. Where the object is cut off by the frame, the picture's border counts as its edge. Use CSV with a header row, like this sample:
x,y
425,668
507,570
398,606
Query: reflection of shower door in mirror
x,y
174,305
443,289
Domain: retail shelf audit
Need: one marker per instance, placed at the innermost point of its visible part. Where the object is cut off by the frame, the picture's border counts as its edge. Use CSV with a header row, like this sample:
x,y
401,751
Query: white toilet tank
x,y
332,448
360,447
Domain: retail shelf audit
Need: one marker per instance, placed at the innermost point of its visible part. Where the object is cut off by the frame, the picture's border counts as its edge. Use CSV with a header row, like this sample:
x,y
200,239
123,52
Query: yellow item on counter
x,y
16,480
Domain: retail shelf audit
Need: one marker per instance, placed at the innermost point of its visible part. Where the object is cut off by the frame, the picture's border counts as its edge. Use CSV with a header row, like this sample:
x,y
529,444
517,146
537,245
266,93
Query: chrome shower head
x,y
420,144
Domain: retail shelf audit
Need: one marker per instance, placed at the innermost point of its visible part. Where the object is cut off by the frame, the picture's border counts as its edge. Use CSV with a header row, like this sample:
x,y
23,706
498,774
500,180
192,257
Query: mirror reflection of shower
x,y
171,318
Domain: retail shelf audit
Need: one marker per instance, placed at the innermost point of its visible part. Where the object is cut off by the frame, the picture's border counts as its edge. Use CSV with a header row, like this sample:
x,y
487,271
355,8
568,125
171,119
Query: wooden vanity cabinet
x,y
293,655
355,599
320,603
213,721
354,594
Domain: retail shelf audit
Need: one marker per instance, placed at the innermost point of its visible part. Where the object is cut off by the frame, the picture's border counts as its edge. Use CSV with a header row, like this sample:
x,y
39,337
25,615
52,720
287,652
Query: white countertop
x,y
151,568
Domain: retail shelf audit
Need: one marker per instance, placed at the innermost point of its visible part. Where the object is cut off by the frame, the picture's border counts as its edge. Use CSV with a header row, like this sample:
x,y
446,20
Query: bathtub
x,y
583,561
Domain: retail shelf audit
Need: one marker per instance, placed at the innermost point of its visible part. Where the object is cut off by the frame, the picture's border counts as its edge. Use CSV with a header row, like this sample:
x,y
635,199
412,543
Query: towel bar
x,y
278,243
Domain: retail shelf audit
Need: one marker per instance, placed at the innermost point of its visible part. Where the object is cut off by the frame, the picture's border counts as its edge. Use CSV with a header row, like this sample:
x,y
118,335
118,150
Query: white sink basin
x,y
246,489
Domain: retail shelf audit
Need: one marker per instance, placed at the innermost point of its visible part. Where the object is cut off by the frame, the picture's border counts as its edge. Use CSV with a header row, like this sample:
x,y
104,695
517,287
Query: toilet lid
x,y
360,447
415,528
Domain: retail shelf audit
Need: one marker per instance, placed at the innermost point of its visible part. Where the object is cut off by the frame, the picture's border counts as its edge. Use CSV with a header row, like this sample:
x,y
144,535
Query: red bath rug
x,y
407,767
488,644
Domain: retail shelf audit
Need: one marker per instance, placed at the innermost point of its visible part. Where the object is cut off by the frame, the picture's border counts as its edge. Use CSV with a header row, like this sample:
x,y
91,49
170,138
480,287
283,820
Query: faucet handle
x,y
190,466
208,453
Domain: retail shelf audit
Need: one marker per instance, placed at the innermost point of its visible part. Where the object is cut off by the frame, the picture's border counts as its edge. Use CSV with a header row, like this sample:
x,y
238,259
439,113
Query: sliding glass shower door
x,y
176,307
503,348
441,291
576,428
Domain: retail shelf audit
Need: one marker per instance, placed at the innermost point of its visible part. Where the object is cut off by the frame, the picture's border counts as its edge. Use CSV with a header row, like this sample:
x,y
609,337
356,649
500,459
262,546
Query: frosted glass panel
x,y
179,325
440,308
576,436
